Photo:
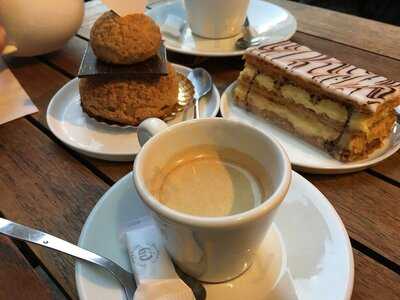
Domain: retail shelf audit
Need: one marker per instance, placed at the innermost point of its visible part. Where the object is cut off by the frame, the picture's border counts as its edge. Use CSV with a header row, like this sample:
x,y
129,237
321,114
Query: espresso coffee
x,y
209,181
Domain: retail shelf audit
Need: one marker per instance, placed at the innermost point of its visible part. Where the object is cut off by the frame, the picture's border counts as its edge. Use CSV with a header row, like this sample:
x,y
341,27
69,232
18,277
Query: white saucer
x,y
304,156
273,21
319,254
85,135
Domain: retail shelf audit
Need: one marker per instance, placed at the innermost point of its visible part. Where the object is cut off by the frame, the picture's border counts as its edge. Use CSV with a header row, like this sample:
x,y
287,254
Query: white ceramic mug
x,y
212,249
216,19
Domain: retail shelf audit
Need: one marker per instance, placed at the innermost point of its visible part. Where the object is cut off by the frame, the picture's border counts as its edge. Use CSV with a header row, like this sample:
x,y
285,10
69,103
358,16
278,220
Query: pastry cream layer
x,y
324,106
363,122
248,71
266,82
298,95
355,141
302,124
240,93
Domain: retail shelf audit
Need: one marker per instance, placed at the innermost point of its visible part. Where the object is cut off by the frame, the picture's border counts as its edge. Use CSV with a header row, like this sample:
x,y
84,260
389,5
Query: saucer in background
x,y
274,22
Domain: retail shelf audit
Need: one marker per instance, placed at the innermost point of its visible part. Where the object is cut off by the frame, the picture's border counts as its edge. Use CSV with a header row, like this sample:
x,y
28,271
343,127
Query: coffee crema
x,y
211,181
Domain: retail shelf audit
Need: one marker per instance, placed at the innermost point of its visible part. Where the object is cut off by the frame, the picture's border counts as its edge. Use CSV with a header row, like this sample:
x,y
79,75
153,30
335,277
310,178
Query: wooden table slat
x,y
373,36
53,286
47,82
368,207
16,272
373,281
390,167
44,187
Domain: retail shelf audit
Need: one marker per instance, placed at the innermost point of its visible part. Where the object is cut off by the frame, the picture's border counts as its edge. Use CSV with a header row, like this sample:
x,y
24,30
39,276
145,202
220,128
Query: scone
x,y
124,40
336,106
129,101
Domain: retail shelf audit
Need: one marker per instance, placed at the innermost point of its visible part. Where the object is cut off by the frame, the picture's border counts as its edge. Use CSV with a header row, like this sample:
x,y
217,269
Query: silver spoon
x,y
202,83
248,39
244,44
31,235
125,278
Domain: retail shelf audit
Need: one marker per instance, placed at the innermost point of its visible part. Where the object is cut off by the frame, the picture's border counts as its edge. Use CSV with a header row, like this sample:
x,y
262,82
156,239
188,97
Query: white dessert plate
x,y
316,248
304,156
67,121
274,22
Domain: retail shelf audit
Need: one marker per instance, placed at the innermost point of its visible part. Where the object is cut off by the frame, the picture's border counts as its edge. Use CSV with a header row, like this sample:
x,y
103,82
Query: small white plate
x,y
67,121
273,21
304,156
319,254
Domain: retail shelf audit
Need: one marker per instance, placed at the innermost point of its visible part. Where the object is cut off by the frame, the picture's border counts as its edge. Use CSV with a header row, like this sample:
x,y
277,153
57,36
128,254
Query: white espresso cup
x,y
216,19
211,249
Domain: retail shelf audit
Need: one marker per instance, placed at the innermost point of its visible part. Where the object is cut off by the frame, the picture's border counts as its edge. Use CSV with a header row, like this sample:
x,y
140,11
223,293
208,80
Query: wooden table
x,y
48,186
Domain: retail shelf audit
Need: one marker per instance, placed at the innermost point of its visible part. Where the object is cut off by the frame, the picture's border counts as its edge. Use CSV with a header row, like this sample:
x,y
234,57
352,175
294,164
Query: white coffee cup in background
x,y
212,249
216,19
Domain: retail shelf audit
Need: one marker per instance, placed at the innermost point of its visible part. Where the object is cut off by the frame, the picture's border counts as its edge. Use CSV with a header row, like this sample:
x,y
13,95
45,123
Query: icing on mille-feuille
x,y
339,107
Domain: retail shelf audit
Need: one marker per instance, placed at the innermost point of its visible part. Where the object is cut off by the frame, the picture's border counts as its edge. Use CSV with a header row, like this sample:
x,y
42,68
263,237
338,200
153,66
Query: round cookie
x,y
124,40
129,101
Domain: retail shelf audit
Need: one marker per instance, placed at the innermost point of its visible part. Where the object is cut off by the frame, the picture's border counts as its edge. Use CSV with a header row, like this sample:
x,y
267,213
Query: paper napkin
x,y
126,7
14,102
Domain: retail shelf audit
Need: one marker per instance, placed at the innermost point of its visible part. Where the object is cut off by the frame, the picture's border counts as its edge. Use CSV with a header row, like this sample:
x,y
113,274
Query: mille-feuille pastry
x,y
338,107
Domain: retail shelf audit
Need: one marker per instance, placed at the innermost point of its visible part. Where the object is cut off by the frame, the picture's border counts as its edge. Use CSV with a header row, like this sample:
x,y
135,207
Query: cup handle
x,y
149,128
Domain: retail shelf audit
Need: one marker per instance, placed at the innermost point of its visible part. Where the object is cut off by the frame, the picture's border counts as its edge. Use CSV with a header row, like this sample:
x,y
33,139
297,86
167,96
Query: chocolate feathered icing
x,y
365,89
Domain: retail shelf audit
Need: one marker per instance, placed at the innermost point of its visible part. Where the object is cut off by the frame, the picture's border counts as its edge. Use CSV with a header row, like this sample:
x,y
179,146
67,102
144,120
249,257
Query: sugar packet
x,y
152,267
